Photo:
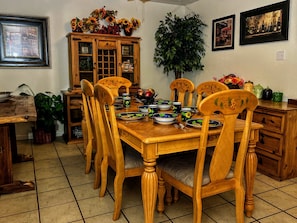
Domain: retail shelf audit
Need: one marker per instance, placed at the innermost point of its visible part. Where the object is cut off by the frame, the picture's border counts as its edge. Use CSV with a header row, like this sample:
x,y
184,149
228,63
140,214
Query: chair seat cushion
x,y
133,158
182,168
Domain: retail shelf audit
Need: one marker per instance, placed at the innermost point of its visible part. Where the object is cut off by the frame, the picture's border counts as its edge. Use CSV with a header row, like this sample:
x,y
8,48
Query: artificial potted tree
x,y
180,44
49,109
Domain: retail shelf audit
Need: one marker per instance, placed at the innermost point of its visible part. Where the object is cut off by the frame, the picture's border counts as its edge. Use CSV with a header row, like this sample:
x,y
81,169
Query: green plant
x,y
180,44
49,108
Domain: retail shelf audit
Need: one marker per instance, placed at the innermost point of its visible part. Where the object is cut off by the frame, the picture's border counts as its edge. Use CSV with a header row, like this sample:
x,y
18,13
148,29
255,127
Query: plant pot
x,y
40,136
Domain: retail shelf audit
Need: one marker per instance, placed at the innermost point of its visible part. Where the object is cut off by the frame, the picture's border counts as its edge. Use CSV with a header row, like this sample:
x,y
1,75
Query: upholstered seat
x,y
203,175
120,157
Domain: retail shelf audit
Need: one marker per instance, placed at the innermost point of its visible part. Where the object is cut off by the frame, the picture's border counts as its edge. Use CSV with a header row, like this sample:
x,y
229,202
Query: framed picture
x,y
23,42
266,24
223,33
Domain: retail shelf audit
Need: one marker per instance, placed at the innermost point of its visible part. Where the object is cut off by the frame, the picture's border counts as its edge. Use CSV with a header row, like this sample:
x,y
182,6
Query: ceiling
x,y
174,2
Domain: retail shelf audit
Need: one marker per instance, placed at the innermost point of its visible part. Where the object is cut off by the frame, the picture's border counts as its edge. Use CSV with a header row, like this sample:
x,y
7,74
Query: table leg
x,y
149,187
250,173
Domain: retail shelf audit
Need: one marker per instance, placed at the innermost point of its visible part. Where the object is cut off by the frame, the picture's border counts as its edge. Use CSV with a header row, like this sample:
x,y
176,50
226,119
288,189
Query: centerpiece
x,y
232,81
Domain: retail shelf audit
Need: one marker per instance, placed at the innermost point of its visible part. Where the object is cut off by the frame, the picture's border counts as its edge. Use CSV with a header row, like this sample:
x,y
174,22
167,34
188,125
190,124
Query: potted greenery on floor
x,y
49,108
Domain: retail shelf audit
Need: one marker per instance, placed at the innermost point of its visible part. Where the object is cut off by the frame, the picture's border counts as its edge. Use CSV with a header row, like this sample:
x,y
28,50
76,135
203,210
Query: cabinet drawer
x,y
106,44
271,121
270,142
269,165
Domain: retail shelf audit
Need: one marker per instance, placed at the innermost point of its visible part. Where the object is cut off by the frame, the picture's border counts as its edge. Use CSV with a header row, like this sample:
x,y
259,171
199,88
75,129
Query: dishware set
x,y
164,112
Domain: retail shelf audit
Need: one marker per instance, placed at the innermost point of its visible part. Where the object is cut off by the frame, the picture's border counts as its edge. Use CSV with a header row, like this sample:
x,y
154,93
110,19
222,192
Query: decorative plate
x,y
197,123
130,116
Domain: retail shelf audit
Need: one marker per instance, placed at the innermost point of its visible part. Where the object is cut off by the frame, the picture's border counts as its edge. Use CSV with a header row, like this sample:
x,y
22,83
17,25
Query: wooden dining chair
x,y
92,145
184,89
207,88
203,175
115,83
125,161
88,104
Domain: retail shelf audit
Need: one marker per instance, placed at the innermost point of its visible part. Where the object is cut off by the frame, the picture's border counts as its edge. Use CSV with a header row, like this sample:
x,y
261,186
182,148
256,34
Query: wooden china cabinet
x,y
96,56
93,57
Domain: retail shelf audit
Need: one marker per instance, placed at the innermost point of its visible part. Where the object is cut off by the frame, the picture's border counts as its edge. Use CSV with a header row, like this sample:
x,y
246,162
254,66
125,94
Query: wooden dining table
x,y
153,140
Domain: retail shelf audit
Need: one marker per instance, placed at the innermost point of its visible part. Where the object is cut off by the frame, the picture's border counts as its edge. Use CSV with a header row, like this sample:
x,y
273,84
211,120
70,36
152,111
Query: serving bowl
x,y
163,105
143,108
4,95
165,117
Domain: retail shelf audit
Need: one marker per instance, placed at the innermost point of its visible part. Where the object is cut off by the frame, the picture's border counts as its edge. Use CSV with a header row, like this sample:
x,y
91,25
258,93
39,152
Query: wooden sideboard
x,y
277,146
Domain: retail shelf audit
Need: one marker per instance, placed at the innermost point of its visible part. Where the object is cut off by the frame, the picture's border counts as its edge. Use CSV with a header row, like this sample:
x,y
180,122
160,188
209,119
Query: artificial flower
x,y
104,22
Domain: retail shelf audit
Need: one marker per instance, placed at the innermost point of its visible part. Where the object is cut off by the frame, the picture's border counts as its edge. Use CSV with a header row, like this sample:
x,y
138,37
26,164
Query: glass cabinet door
x,y
85,61
129,62
82,60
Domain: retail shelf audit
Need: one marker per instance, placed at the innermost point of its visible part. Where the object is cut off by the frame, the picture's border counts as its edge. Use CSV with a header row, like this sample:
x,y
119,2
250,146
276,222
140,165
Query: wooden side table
x,y
15,110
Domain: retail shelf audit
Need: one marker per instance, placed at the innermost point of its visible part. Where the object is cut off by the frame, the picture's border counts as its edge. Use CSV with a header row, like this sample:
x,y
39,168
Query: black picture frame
x,y
223,33
266,24
23,41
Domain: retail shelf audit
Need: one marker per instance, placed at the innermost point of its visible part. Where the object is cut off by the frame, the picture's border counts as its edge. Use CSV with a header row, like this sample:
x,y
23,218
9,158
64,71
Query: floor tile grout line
x,y
76,201
36,186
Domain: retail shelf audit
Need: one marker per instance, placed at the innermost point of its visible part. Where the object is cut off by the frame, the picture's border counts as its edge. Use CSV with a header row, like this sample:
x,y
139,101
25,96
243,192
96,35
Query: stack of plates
x,y
4,95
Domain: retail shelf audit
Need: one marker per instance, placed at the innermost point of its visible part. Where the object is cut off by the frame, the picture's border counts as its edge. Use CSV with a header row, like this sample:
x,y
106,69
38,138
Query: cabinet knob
x,y
263,121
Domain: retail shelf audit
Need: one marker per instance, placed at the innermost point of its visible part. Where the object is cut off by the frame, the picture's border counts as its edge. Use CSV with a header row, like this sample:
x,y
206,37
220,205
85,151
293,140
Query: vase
x,y
128,32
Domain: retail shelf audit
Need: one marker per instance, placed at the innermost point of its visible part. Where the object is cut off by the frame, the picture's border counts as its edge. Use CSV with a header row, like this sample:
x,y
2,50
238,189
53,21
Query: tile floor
x,y
64,193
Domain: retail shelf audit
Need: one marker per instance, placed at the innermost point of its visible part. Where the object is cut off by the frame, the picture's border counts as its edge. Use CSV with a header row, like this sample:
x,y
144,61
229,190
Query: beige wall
x,y
256,62
252,62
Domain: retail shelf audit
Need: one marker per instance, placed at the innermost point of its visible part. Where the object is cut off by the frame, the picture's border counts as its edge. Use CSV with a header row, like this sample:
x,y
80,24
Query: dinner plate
x,y
197,123
130,116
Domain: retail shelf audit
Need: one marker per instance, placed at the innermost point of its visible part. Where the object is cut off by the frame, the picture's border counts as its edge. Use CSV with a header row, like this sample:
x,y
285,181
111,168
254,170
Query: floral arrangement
x,y
104,21
232,81
128,25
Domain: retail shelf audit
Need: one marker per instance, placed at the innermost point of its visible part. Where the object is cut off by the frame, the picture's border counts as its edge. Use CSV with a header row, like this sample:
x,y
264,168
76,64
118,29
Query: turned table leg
x,y
149,186
250,173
